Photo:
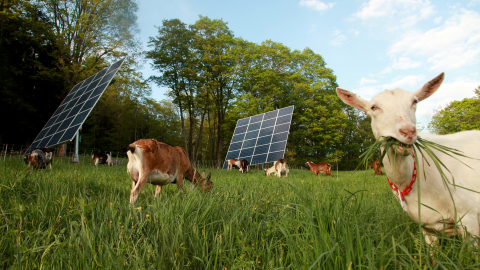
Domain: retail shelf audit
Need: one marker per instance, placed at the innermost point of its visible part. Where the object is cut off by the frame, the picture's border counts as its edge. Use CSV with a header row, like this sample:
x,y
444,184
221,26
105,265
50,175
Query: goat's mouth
x,y
401,148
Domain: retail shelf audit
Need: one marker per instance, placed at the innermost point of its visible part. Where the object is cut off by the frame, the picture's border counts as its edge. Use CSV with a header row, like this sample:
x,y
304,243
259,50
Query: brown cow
x,y
161,164
102,158
280,167
322,167
377,167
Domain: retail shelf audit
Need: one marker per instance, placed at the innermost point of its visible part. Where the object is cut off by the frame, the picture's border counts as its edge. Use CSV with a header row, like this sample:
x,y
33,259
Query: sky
x,y
371,45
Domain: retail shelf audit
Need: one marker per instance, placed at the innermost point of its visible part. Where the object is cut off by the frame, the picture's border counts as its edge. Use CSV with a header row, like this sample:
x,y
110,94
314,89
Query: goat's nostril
x,y
408,132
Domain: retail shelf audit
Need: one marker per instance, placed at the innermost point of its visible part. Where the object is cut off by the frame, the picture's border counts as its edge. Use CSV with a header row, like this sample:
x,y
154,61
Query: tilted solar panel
x,y
261,138
74,109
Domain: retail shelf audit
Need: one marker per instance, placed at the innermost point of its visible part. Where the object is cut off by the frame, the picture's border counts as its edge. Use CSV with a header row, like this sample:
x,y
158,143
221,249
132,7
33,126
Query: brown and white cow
x,y
102,158
377,167
160,164
233,163
39,159
322,167
280,167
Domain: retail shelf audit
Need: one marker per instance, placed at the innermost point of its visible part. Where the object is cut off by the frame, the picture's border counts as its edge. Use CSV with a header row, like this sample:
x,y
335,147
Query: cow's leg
x,y
158,189
179,184
142,180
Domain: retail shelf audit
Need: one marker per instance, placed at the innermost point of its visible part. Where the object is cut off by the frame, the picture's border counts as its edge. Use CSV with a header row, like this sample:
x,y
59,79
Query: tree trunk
x,y
61,150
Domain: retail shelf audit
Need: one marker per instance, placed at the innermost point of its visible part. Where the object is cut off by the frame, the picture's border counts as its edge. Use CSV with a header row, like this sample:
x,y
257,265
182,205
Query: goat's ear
x,y
430,87
351,99
203,174
208,177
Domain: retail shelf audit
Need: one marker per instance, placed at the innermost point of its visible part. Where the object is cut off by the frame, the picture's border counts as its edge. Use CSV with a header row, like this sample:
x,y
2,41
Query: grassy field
x,y
79,217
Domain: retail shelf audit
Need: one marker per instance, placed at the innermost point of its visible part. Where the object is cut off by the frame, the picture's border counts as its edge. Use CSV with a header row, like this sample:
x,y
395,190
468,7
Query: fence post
x,y
6,149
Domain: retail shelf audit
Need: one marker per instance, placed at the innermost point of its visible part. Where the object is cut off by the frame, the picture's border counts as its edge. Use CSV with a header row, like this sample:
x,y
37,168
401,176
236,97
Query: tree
x,y
26,47
457,116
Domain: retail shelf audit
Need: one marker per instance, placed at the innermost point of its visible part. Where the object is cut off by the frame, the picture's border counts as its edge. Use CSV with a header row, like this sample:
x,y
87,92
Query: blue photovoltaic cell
x,y
261,137
270,115
254,126
242,122
274,147
266,131
272,157
235,146
263,149
74,109
241,129
233,154
249,159
259,159
264,140
249,143
284,119
247,152
282,128
238,137
251,135
269,123
280,137
256,118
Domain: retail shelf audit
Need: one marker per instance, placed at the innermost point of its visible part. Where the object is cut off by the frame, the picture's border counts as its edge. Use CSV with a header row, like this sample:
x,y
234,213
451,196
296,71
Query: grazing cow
x,y
280,167
160,164
233,163
322,167
244,164
102,158
38,160
377,167
446,207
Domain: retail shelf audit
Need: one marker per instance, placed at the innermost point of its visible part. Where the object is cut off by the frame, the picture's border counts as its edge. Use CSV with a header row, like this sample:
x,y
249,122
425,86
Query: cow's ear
x,y
209,176
203,174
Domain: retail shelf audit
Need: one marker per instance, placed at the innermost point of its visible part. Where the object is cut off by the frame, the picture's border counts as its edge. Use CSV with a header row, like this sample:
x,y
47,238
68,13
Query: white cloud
x,y
383,8
386,71
367,92
367,81
403,81
316,5
405,63
438,19
339,38
454,44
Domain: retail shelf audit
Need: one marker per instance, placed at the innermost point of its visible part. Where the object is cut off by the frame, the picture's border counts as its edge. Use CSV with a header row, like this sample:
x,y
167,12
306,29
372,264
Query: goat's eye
x,y
415,101
374,108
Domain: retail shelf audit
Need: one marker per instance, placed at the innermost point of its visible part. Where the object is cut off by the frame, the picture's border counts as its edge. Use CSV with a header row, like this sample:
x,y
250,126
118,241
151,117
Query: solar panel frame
x,y
254,137
74,109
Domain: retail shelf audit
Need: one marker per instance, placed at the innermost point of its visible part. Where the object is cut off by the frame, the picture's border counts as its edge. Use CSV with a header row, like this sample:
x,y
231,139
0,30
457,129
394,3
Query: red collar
x,y
409,187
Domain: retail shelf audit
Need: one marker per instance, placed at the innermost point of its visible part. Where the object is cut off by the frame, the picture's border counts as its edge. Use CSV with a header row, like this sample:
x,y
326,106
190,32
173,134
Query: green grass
x,y
79,217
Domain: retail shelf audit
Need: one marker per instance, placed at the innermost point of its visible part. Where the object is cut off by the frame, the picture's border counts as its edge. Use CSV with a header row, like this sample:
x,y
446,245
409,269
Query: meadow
x,y
79,217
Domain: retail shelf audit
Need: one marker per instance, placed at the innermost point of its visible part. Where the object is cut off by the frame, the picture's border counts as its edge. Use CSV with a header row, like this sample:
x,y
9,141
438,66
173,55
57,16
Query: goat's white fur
x,y
393,115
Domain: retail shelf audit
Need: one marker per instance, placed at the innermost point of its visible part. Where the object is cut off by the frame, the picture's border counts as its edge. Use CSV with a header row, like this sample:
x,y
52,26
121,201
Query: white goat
x,y
393,115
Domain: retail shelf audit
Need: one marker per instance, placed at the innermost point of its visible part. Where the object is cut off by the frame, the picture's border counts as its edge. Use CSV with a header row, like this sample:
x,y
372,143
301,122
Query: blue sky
x,y
370,45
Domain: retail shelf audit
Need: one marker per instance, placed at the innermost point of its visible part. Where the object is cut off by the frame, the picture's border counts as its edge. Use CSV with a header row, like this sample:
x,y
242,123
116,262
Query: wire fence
x,y
16,151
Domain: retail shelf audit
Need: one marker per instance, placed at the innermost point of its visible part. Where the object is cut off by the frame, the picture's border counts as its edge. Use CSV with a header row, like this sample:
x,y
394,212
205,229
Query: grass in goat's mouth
x,y
421,146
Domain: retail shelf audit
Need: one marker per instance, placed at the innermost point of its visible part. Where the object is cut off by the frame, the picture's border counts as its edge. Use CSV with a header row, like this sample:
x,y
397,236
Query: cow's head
x,y
204,183
393,112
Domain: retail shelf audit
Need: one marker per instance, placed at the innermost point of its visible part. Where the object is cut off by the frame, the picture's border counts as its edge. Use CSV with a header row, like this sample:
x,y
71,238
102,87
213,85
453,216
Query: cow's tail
x,y
130,148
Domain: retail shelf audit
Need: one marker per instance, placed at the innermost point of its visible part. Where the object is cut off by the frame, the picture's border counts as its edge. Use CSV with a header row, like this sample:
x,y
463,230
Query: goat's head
x,y
204,183
393,112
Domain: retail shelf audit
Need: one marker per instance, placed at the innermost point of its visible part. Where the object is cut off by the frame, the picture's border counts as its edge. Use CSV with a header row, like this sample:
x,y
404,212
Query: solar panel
x,y
261,138
74,109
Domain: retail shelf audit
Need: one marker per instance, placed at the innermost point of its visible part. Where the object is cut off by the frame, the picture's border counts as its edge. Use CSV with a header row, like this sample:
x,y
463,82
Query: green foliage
x,y
79,217
457,116
26,46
